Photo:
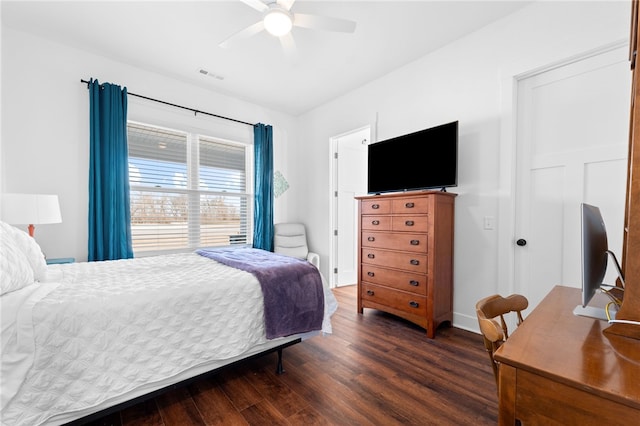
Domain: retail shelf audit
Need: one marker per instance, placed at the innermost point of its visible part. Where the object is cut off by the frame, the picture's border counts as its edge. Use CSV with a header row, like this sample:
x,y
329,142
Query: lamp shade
x,y
30,209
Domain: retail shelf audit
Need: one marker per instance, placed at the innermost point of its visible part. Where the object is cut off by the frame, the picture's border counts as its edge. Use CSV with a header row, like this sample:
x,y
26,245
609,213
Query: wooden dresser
x,y
405,256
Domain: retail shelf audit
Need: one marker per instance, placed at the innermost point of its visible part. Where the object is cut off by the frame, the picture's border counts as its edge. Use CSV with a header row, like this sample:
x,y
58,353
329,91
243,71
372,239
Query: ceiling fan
x,y
278,20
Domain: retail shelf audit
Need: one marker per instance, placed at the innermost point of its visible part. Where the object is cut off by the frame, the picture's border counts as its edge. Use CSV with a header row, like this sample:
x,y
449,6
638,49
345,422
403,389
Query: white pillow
x,y
30,248
15,271
32,252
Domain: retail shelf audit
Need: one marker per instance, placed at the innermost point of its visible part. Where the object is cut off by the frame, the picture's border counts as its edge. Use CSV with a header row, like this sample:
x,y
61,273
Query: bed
x,y
80,338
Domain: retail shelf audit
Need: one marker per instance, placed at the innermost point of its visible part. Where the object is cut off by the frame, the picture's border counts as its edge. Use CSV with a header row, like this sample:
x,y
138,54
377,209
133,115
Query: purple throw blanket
x,y
292,288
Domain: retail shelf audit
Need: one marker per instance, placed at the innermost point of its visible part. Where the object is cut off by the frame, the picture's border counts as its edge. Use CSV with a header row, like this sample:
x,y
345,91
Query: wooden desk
x,y
557,368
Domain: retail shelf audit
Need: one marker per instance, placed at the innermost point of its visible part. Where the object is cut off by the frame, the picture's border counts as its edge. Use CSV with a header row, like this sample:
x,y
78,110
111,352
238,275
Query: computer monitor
x,y
595,253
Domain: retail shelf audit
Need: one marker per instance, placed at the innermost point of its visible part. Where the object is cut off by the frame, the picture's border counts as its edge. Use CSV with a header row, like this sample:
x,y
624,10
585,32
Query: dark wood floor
x,y
375,369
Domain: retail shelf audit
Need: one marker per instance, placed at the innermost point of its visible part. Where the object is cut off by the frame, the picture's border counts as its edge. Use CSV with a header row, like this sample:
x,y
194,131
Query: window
x,y
187,190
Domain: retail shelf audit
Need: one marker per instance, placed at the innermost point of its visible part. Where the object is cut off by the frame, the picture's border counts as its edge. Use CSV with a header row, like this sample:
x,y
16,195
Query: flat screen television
x,y
595,253
427,159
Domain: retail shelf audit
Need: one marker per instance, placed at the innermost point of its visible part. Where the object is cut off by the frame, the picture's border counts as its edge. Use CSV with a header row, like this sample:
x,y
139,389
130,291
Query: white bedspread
x,y
109,328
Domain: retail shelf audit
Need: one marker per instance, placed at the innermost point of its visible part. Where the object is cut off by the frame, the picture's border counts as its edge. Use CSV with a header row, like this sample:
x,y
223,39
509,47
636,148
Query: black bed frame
x,y
153,394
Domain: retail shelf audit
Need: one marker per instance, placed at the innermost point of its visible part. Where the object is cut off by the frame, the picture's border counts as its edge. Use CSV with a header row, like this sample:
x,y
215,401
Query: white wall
x,y
45,126
463,81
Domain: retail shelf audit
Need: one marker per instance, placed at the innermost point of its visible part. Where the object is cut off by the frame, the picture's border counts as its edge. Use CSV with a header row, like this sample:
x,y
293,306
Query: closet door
x,y
572,145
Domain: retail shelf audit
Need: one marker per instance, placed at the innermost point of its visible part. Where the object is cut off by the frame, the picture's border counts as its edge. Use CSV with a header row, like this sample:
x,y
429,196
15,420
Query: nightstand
x,y
60,260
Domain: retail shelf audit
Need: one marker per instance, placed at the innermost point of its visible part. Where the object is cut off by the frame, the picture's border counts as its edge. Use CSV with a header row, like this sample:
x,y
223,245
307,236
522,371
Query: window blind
x,y
187,190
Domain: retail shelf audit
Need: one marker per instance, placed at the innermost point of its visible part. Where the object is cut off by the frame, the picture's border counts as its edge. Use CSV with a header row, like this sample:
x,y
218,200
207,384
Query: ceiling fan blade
x,y
256,4
317,22
243,34
287,4
288,45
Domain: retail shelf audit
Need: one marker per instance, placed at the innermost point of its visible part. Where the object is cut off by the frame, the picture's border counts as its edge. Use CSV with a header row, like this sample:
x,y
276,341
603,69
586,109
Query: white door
x,y
572,143
351,181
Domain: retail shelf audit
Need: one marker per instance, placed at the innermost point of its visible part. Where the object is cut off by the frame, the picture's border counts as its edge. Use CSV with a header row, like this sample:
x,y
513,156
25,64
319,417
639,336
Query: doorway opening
x,y
348,180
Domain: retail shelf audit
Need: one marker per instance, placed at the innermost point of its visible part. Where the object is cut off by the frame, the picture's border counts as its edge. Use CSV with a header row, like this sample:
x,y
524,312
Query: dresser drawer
x,y
410,223
405,242
406,302
380,223
376,206
413,262
407,281
410,206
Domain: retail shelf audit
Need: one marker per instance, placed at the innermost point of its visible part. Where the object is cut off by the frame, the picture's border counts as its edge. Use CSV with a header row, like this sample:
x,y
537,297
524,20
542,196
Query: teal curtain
x,y
263,187
109,214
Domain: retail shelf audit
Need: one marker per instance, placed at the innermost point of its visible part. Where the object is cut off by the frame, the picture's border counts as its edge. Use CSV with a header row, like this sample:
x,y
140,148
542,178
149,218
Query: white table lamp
x,y
30,209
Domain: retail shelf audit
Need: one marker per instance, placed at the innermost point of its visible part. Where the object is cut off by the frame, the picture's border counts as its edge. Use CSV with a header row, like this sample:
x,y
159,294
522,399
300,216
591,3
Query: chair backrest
x,y
290,239
494,333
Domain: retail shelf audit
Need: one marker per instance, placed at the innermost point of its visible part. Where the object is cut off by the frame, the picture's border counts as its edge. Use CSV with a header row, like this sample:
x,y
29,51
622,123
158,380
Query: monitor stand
x,y
591,312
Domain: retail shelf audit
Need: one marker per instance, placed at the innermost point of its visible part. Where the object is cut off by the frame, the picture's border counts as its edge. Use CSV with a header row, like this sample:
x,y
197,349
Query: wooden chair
x,y
494,333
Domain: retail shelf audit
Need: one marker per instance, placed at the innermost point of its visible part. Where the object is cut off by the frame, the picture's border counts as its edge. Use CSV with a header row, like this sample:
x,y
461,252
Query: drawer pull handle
x,y
371,256
375,206
414,304
409,223
371,274
371,239
375,222
415,242
414,262
370,292
414,283
409,205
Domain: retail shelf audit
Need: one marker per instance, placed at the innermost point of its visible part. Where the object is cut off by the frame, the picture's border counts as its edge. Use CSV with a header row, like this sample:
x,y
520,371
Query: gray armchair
x,y
290,239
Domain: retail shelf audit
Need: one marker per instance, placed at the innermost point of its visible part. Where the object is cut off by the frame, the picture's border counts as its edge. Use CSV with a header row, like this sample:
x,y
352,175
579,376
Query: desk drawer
x,y
405,242
406,302
413,262
408,281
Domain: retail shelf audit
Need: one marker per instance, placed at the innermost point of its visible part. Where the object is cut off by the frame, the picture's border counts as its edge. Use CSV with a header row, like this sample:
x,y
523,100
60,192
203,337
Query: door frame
x,y
508,164
333,205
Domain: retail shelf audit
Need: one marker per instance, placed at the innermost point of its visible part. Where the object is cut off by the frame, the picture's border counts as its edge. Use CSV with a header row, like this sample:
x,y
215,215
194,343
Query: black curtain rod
x,y
196,111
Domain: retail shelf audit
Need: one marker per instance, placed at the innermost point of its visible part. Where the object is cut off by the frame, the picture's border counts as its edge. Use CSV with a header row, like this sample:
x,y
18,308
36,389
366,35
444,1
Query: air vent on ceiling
x,y
212,75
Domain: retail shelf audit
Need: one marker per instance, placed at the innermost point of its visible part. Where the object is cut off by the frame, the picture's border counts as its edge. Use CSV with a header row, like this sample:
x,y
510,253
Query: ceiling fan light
x,y
277,22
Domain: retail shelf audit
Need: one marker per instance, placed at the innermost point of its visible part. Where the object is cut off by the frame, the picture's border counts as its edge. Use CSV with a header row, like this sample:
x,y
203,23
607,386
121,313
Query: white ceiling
x,y
179,38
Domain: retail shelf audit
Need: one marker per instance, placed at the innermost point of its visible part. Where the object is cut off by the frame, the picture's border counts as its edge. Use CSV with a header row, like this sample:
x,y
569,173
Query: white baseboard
x,y
466,322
